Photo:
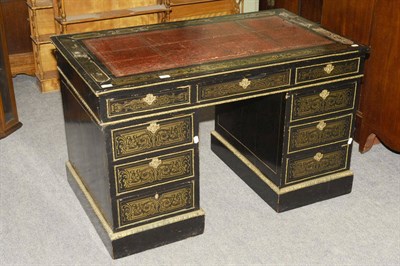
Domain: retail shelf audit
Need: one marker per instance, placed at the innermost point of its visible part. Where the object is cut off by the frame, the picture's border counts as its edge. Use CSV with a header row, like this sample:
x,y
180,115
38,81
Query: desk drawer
x,y
323,101
323,132
151,205
247,83
152,136
316,164
327,70
143,102
154,171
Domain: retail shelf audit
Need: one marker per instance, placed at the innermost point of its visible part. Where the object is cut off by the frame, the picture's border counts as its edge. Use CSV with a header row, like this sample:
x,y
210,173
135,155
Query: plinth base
x,y
140,238
288,197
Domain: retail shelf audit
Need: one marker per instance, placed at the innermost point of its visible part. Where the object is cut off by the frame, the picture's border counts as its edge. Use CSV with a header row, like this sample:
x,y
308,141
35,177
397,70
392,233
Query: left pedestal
x,y
138,180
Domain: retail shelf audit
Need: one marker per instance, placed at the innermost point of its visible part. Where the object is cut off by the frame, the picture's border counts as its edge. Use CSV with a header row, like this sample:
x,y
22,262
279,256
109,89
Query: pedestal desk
x,y
285,92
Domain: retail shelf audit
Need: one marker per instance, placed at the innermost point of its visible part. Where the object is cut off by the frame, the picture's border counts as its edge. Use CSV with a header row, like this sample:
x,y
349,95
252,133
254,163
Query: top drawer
x,y
245,83
327,70
323,101
144,102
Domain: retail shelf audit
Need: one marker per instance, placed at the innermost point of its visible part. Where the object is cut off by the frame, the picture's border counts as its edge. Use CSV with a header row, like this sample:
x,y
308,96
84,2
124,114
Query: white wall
x,y
250,5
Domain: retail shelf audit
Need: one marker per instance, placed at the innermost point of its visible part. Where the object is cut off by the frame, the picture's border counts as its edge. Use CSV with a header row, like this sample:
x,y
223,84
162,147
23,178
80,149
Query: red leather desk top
x,y
143,52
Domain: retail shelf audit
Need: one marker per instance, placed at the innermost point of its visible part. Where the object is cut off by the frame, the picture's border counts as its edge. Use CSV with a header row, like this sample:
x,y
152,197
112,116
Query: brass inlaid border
x,y
193,190
330,76
160,183
103,124
110,115
268,182
325,173
328,113
313,122
118,235
191,115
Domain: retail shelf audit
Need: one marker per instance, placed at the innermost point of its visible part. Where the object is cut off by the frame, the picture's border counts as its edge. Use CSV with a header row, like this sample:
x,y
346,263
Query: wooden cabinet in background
x,y
375,23
309,9
8,109
16,23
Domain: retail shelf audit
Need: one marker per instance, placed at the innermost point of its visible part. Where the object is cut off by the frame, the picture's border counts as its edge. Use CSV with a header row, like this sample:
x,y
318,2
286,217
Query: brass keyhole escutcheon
x,y
324,94
321,125
153,127
155,163
149,99
318,156
156,196
329,68
244,83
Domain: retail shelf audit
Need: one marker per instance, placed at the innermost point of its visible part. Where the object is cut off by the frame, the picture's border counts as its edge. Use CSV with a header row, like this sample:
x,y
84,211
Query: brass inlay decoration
x,y
152,101
329,68
136,175
318,156
211,92
321,125
269,183
322,71
244,83
140,139
324,94
315,134
135,210
153,127
304,106
155,163
319,164
149,99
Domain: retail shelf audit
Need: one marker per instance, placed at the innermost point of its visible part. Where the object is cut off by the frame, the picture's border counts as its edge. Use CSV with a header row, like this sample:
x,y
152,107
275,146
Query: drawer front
x,y
155,205
323,132
155,171
263,81
320,163
323,102
148,102
327,70
148,137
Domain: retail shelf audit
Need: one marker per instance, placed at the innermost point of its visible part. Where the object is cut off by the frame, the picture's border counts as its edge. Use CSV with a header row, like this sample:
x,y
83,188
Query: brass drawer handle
x,y
318,156
324,94
155,163
149,99
329,68
321,125
153,127
244,83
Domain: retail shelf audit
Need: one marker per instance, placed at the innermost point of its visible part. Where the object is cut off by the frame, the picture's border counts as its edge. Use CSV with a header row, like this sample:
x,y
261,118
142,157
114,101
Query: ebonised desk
x,y
285,92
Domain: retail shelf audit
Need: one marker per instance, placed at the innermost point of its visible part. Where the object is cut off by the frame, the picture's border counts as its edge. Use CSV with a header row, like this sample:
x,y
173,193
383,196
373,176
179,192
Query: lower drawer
x,y
317,163
154,204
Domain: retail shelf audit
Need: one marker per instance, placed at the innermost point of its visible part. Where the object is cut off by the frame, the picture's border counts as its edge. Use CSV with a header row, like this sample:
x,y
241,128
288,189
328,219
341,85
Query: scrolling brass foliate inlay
x,y
338,68
233,88
309,135
318,164
315,104
141,139
137,175
136,210
151,101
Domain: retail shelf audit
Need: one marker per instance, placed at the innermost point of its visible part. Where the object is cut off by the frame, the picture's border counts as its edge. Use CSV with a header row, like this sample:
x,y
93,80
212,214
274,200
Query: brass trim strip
x,y
268,182
132,231
103,124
